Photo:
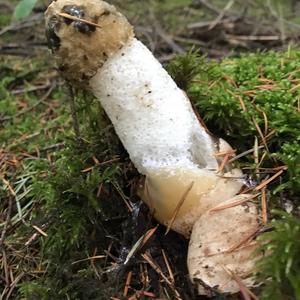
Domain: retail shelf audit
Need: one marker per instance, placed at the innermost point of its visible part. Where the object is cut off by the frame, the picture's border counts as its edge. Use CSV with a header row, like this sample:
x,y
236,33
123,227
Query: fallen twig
x,y
221,15
8,214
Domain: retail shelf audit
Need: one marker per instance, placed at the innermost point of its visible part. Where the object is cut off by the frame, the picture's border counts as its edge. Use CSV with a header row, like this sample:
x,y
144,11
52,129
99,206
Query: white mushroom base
x,y
221,249
166,188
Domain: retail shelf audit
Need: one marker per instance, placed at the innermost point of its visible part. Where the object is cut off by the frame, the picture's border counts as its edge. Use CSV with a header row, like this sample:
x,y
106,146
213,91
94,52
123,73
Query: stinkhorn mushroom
x,y
95,48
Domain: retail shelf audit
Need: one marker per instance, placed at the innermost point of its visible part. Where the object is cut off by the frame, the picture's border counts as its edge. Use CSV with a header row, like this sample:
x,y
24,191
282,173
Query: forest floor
x,y
41,156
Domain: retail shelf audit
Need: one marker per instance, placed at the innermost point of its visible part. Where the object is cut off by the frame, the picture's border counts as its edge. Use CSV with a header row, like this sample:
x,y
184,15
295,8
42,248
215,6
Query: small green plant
x,y
23,9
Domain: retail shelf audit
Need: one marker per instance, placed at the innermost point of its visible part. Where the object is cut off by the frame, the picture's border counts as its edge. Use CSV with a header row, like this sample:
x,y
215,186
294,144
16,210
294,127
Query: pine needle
x,y
89,258
39,230
264,206
223,153
73,18
156,268
11,190
178,206
266,182
235,203
246,239
127,284
261,134
223,163
243,154
247,294
140,243
168,266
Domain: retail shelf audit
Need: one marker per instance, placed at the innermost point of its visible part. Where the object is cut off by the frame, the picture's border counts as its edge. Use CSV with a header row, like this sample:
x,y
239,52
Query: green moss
x,y
4,20
76,219
58,190
235,96
75,215
185,68
281,267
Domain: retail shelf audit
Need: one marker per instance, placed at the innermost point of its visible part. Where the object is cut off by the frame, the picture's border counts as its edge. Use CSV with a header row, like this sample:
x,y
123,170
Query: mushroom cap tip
x,y
83,35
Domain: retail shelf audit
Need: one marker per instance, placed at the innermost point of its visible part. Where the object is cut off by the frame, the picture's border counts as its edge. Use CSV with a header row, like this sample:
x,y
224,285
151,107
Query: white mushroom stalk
x,y
96,48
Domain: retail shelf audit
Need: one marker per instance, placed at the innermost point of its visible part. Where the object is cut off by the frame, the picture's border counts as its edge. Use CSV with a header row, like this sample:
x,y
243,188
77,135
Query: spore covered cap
x,y
83,34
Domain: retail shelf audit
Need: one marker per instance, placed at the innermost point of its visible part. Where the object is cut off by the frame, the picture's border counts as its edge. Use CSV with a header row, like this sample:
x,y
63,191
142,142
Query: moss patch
x,y
253,102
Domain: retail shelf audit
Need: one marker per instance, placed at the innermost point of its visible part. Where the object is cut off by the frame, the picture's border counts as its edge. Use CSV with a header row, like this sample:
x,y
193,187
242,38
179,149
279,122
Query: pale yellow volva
x,y
94,46
165,188
193,192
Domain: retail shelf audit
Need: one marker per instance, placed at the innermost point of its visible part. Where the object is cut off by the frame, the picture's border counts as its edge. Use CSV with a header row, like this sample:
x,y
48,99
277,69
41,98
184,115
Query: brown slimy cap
x,y
83,34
